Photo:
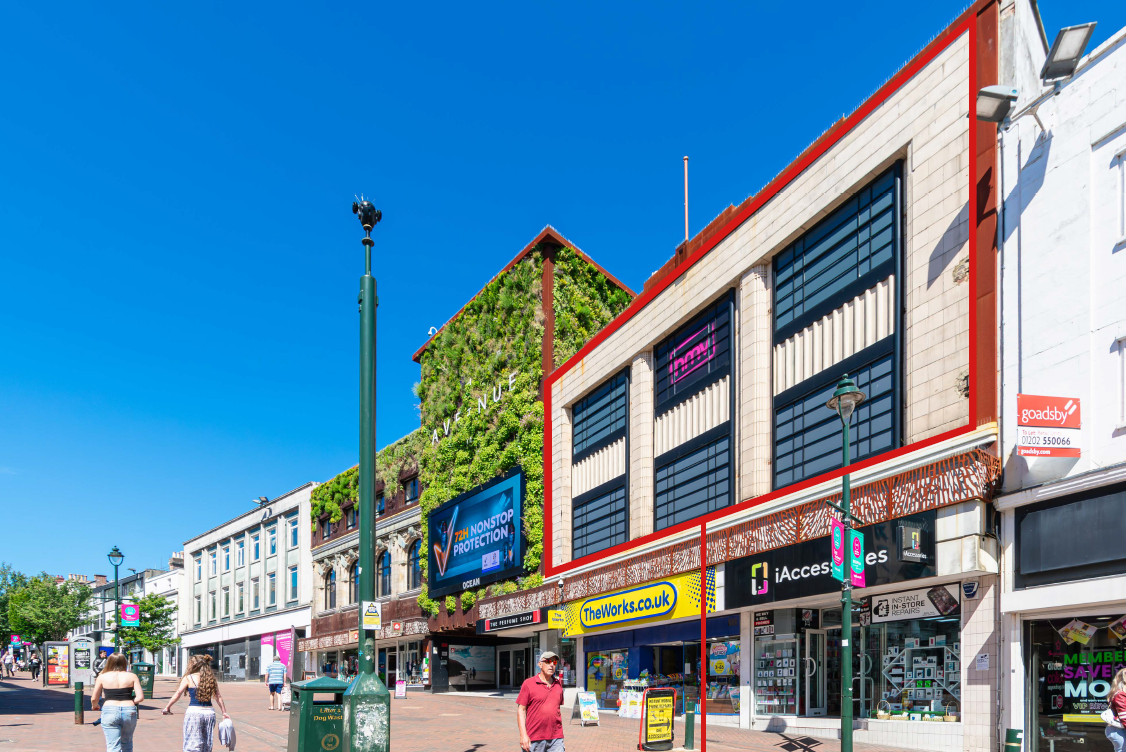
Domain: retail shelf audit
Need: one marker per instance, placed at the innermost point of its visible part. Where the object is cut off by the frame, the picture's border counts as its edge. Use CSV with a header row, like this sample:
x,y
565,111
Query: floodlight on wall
x,y
1066,52
995,102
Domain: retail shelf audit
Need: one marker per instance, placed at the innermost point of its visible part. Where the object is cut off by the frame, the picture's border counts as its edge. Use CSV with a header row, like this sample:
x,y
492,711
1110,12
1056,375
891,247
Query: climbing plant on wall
x,y
585,300
390,463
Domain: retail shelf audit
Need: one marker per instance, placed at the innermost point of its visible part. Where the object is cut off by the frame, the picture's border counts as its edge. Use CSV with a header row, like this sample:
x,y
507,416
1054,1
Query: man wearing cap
x,y
537,708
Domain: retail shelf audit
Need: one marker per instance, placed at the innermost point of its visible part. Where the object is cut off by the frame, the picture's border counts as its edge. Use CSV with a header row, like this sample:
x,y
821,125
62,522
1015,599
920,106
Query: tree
x,y
10,580
41,610
157,628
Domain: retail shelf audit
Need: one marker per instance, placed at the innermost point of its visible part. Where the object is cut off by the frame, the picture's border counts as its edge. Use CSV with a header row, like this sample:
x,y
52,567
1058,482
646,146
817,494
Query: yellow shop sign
x,y
671,598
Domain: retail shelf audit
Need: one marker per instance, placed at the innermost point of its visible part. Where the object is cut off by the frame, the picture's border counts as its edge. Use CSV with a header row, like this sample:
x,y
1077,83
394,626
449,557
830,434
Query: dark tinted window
x,y
695,483
698,354
600,523
600,418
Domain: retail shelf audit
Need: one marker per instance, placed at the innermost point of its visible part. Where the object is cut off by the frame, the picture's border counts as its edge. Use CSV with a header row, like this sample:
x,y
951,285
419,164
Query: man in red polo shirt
x,y
537,709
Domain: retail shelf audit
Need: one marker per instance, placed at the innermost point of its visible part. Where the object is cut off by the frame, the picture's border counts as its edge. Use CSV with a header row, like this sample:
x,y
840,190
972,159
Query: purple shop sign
x,y
695,353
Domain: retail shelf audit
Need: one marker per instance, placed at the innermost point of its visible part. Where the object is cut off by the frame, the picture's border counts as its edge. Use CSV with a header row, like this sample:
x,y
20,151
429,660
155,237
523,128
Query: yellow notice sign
x,y
658,718
371,615
1078,718
556,619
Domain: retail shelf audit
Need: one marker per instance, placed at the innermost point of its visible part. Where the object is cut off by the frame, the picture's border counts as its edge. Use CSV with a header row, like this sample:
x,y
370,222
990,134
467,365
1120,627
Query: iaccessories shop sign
x,y
895,551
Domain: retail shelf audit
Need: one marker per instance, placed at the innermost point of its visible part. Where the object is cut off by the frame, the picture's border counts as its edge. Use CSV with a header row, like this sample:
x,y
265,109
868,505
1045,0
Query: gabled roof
x,y
548,233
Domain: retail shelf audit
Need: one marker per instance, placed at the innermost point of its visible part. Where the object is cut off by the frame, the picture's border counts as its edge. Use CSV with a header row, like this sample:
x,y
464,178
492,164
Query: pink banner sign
x,y
856,559
284,643
836,535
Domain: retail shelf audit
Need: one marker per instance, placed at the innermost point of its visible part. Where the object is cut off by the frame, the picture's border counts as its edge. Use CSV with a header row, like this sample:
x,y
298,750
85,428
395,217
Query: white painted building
x,y
167,585
248,587
1062,240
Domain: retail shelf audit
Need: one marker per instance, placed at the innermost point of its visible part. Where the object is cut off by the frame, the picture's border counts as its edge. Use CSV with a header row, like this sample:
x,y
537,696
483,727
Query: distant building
x,y
167,585
246,590
103,604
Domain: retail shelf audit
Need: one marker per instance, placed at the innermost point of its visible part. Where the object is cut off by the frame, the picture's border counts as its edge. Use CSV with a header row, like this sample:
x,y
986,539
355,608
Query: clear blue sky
x,y
178,325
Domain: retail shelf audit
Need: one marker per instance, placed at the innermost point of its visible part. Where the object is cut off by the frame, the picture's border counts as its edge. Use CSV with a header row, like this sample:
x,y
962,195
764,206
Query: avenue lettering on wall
x,y
481,405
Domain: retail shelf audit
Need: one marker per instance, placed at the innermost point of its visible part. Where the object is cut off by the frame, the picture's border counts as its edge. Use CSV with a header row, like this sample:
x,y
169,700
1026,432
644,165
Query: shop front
x,y
527,635
336,655
905,629
651,636
1066,612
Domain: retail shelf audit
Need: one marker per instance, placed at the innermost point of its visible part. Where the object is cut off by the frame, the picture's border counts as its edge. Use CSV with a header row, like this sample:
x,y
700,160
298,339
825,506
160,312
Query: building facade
x,y
481,433
247,589
699,414
1063,234
167,585
103,617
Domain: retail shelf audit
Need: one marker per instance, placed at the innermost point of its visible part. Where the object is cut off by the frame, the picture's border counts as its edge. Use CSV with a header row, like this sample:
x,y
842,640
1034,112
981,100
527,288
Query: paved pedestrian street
x,y
36,719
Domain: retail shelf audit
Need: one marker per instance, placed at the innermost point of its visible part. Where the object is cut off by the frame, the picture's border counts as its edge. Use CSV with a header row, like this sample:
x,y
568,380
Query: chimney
x,y
176,560
99,580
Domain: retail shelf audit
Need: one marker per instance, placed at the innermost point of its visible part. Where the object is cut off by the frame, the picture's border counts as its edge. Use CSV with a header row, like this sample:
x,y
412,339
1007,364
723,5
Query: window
x,y
696,356
293,583
198,610
599,520
211,597
853,251
1120,157
199,569
226,601
1121,421
601,417
385,574
353,583
240,553
273,533
254,604
326,529
293,533
414,565
379,503
240,595
351,517
807,435
330,589
255,552
214,563
412,490
226,558
697,481
271,589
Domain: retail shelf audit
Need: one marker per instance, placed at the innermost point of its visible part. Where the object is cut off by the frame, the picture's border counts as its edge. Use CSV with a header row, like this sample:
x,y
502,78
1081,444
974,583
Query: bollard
x,y
1013,739
79,705
689,728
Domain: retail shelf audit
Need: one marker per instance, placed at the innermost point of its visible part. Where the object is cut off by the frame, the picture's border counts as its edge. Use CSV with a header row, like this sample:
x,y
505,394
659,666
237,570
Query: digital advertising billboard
x,y
477,537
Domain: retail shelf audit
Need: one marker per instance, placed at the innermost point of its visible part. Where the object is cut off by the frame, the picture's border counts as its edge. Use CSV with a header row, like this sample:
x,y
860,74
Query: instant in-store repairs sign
x,y
924,603
1047,426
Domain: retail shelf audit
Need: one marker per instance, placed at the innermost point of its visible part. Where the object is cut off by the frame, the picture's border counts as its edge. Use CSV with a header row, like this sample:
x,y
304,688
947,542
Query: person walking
x,y
275,680
10,663
122,693
34,664
199,720
1115,714
537,708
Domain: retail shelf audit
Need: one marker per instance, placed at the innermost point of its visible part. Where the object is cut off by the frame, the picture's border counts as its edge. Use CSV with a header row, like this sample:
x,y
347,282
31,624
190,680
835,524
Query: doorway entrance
x,y
823,652
512,664
388,660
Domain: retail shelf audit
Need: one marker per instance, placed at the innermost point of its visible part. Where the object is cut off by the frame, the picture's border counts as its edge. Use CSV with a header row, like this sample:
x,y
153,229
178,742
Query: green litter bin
x,y
1013,740
145,672
316,725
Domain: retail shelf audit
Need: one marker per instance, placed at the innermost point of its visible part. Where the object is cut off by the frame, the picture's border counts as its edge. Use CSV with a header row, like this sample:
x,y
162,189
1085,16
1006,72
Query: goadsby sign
x,y
1048,426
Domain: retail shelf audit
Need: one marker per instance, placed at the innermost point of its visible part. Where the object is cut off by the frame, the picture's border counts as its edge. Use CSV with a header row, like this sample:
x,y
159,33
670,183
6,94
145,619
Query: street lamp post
x,y
844,400
115,558
367,722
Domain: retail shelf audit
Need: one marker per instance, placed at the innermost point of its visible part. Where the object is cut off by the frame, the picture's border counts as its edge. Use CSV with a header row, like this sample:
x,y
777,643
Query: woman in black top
x,y
122,693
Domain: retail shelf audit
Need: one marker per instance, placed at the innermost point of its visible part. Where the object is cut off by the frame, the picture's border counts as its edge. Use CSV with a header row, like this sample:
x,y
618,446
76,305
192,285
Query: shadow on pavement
x,y
802,744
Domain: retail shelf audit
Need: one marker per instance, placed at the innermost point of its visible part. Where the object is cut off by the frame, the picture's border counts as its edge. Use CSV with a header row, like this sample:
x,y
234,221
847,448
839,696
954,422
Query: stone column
x,y
560,478
641,446
980,637
754,400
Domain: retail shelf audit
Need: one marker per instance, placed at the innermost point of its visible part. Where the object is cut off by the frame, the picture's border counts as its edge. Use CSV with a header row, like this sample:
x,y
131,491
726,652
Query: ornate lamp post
x,y
367,720
843,402
116,557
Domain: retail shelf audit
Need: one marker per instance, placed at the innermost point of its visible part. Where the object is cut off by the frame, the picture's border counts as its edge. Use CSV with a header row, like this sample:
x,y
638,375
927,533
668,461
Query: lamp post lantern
x,y
115,558
843,402
367,719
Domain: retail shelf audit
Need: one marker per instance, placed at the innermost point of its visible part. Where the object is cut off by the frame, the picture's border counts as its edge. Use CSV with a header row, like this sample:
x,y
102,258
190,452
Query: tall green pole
x,y
367,703
116,614
846,613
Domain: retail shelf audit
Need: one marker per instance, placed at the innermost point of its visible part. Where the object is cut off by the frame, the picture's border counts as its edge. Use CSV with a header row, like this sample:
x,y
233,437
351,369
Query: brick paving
x,y
36,719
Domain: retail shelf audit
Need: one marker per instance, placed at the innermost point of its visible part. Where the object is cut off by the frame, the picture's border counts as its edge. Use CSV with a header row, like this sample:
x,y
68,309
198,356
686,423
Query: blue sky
x,y
178,329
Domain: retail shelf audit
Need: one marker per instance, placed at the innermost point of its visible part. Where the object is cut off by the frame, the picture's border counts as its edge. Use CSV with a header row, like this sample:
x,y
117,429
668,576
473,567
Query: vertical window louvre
x,y
694,483
600,523
600,418
807,434
843,255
